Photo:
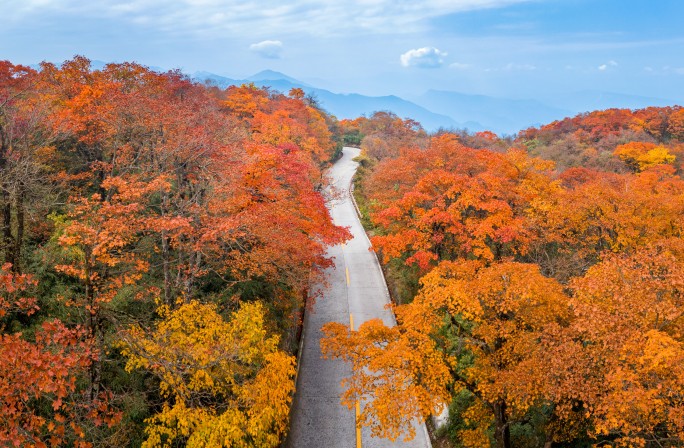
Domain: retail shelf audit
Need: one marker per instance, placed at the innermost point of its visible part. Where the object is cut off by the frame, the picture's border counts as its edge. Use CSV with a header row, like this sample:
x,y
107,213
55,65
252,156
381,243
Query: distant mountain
x,y
271,75
437,109
590,100
341,105
216,80
447,109
354,105
500,115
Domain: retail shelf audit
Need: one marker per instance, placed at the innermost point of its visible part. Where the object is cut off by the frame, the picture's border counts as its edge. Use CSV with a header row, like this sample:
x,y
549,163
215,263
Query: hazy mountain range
x,y
342,105
436,109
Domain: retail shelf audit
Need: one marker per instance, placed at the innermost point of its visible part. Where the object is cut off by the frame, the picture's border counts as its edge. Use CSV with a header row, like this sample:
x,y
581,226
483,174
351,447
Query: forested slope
x,y
542,281
158,240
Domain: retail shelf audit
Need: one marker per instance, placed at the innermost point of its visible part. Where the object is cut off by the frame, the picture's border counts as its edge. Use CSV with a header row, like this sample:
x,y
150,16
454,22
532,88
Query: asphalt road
x,y
355,288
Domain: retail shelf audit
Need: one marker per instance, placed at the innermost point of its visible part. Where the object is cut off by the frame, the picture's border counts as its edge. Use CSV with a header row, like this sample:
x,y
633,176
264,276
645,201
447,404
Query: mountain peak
x,y
272,75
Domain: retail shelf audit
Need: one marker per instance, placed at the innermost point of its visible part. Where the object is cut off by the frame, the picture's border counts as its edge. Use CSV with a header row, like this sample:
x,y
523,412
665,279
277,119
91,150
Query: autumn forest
x,y
159,239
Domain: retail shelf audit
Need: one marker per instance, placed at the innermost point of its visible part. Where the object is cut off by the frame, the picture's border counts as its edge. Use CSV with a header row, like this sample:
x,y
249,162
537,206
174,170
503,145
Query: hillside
x,y
531,279
161,238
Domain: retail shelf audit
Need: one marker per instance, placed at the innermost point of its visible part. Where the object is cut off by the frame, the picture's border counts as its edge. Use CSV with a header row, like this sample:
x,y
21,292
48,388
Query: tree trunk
x,y
7,239
179,270
549,437
93,325
193,269
502,433
96,366
166,252
19,237
166,265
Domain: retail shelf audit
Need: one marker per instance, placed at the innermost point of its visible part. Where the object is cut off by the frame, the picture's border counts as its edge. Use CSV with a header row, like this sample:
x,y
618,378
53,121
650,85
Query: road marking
x,y
346,270
358,428
358,405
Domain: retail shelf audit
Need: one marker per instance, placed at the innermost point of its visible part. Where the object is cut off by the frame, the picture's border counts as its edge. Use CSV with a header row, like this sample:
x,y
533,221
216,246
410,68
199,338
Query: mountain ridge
x,y
445,109
272,75
500,115
342,105
439,108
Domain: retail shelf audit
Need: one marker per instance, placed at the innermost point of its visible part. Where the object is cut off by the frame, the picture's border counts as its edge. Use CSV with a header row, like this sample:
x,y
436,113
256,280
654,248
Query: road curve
x,y
355,287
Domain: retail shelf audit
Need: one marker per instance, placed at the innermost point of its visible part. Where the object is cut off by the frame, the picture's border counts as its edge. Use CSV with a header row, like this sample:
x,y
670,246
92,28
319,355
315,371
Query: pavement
x,y
355,290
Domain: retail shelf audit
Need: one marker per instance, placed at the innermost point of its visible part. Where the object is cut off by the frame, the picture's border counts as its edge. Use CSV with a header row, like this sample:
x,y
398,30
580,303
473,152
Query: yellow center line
x,y
358,427
358,405
346,270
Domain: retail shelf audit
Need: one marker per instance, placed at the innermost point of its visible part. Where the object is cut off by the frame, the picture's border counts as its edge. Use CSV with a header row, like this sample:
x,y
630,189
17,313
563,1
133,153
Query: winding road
x,y
356,292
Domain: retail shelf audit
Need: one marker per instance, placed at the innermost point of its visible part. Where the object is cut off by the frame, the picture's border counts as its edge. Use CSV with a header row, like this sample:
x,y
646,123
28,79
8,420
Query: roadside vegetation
x,y
538,281
158,239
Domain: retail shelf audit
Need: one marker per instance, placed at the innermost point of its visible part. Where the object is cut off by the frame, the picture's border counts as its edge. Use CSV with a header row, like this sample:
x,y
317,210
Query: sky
x,y
510,48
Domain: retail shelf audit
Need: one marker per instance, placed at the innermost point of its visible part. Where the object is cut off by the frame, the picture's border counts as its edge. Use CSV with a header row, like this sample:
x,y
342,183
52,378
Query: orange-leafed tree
x,y
385,135
96,239
246,100
472,328
598,211
276,119
269,226
676,124
456,202
630,316
589,139
156,190
135,145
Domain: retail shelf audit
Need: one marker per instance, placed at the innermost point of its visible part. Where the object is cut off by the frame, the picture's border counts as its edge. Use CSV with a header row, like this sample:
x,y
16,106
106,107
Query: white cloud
x,y
519,67
604,67
270,49
426,57
459,66
513,67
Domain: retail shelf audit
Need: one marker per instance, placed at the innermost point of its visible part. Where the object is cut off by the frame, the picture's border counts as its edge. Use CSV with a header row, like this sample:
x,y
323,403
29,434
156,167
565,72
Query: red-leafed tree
x,y
454,202
41,402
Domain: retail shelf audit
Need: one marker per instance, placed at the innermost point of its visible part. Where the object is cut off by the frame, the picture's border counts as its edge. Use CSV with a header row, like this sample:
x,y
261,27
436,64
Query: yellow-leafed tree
x,y
640,156
225,382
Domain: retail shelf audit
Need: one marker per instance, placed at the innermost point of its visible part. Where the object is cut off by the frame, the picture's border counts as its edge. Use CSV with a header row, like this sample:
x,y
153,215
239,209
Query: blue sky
x,y
513,48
